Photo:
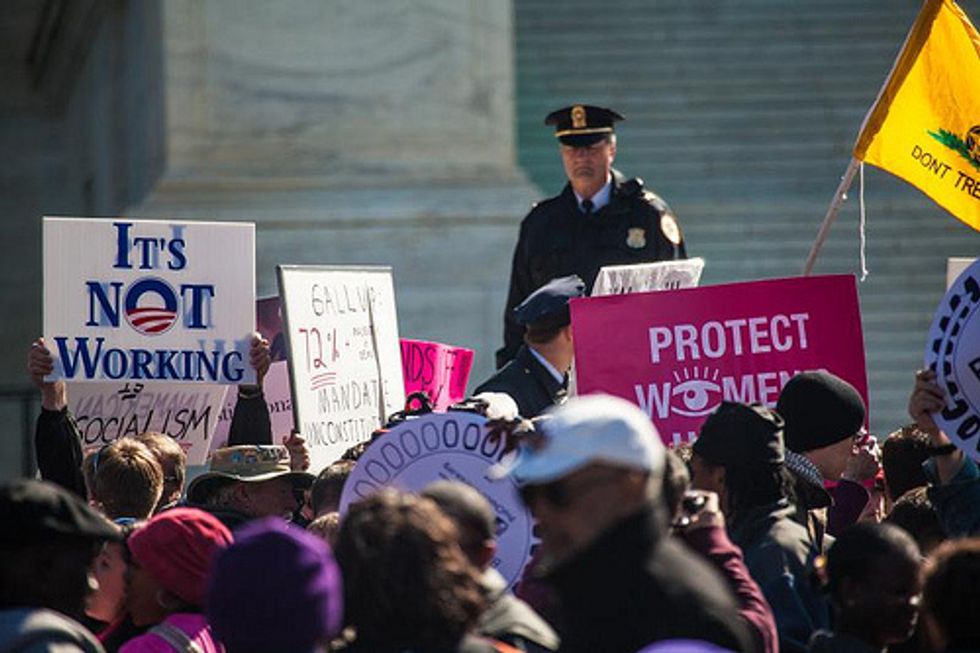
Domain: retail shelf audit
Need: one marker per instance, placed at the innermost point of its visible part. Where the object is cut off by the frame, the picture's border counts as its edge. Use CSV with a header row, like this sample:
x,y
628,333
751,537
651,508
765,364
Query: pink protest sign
x,y
440,370
677,354
268,319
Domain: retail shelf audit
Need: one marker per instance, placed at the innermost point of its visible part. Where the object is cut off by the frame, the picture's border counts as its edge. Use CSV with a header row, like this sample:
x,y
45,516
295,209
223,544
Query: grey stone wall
x,y
80,134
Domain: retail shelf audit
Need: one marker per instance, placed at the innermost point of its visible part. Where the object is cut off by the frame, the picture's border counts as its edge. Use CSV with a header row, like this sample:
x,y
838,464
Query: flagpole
x,y
839,197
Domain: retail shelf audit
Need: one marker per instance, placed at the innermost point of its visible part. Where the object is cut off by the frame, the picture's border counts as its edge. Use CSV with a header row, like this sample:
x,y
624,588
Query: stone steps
x,y
742,116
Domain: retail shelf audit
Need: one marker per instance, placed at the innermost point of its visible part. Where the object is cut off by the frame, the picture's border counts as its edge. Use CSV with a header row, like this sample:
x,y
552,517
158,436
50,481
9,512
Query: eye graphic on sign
x,y
695,395
151,306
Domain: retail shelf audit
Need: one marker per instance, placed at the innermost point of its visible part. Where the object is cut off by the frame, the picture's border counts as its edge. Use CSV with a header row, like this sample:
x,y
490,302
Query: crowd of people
x,y
786,528
777,529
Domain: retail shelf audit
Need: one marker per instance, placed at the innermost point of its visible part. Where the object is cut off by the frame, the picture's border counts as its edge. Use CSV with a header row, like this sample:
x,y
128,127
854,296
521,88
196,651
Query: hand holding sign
x,y
259,357
953,353
299,453
927,398
39,365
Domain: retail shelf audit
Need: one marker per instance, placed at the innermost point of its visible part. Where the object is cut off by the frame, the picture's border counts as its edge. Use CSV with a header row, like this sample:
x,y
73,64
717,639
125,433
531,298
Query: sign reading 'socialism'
x,y
149,300
186,412
678,354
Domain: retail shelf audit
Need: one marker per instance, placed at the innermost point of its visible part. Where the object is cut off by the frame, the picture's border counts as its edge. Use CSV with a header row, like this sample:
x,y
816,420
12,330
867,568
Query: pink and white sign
x,y
442,371
678,354
275,389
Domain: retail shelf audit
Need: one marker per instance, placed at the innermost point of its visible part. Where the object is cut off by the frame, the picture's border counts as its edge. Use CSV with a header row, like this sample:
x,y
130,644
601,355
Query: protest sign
x,y
441,371
647,277
954,268
344,360
140,300
677,354
268,319
953,352
453,446
276,394
186,412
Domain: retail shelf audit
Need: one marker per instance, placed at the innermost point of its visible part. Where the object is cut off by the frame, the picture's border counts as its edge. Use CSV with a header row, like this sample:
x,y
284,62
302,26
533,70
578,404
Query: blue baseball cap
x,y
547,307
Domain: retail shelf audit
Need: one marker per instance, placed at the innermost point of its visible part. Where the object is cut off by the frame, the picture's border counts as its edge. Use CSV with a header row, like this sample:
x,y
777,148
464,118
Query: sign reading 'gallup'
x,y
345,369
148,300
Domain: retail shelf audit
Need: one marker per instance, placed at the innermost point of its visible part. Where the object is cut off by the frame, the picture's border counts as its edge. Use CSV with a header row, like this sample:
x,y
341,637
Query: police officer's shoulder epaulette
x,y
539,213
542,206
654,200
631,187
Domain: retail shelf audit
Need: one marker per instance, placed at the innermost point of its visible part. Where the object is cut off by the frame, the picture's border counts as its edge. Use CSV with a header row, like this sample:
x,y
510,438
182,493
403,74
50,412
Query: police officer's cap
x,y
547,307
581,125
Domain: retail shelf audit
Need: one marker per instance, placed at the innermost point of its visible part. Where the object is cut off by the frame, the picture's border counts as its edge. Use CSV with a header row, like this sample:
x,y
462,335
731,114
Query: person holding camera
x,y
740,455
696,518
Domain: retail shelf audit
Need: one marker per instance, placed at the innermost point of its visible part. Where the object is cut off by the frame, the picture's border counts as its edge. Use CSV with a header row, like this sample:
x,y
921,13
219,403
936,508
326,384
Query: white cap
x,y
588,429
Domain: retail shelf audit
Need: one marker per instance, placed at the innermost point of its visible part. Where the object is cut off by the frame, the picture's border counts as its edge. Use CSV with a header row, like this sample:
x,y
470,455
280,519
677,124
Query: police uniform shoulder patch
x,y
669,227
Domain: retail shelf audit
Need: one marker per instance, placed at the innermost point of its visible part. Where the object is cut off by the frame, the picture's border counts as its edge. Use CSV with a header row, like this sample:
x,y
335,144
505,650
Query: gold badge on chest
x,y
636,237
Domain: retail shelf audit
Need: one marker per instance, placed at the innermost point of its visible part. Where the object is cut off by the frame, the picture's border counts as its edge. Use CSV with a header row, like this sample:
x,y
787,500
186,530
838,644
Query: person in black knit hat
x,y
826,441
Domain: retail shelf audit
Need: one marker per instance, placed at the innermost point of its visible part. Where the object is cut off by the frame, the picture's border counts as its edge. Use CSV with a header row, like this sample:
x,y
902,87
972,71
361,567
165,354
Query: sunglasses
x,y
557,494
563,492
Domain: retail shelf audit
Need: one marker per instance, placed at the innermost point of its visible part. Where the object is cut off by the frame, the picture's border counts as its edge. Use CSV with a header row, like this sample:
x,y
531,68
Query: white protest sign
x,y
344,357
140,300
454,446
275,389
186,412
647,277
954,268
953,352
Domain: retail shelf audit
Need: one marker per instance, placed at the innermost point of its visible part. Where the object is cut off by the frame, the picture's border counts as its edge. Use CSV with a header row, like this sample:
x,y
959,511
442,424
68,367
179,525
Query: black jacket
x,y
556,239
527,381
635,585
780,555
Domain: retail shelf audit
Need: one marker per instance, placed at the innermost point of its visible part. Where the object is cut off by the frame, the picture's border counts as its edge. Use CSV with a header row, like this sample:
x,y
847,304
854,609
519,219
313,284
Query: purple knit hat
x,y
277,588
683,646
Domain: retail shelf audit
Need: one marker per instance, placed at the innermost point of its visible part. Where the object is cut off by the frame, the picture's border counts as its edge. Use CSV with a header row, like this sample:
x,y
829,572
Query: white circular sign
x,y
454,447
953,352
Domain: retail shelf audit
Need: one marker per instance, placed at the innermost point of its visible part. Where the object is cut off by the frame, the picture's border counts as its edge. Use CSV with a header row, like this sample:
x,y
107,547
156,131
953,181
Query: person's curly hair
x,y
407,584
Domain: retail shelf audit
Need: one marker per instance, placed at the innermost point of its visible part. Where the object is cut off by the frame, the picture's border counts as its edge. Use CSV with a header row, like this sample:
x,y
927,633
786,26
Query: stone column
x,y
354,133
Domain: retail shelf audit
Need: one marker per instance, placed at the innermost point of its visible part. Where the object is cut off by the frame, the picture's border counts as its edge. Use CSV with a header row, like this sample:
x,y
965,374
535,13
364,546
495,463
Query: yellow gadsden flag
x,y
925,124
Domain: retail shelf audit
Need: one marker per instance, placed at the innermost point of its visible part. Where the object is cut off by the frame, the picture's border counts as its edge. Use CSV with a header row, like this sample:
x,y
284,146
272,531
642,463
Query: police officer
x,y
537,377
600,218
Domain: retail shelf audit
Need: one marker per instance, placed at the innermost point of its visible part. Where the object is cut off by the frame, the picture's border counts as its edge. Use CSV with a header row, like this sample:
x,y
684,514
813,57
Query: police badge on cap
x,y
581,125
